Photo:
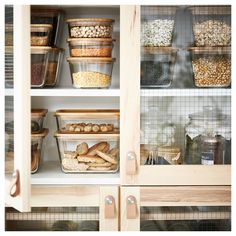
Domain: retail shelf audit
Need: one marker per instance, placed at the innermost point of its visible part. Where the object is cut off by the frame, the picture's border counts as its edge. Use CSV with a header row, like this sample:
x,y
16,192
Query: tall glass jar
x,y
208,125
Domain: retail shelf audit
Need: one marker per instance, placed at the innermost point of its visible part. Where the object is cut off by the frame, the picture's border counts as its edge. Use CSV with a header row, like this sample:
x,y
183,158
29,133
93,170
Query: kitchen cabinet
x,y
173,208
141,106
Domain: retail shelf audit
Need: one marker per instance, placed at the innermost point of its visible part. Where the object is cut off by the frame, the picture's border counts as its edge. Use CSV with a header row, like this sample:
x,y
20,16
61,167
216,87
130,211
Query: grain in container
x,y
40,34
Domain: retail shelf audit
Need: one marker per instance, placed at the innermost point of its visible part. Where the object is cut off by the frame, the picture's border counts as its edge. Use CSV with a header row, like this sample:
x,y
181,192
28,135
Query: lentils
x,y
157,33
98,31
212,33
91,52
212,71
90,79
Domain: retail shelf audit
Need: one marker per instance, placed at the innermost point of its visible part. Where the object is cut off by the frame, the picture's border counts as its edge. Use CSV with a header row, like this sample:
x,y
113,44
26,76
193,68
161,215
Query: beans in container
x,y
90,28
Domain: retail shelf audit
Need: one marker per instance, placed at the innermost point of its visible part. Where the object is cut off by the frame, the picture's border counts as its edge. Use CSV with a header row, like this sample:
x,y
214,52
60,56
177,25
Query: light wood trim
x,y
186,196
22,107
109,224
184,175
64,196
129,224
129,86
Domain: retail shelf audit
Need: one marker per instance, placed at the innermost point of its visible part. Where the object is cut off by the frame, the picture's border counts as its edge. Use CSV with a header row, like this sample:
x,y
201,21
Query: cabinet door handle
x,y
131,163
110,208
131,207
15,184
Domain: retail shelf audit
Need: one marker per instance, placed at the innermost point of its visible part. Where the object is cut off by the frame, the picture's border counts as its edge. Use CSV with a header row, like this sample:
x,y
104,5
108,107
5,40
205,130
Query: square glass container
x,y
91,72
88,153
88,121
211,66
96,47
90,28
40,34
37,119
36,149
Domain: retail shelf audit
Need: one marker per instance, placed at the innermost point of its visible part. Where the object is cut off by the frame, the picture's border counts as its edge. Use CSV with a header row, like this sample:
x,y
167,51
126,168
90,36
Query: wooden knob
x,y
110,208
131,205
131,163
15,184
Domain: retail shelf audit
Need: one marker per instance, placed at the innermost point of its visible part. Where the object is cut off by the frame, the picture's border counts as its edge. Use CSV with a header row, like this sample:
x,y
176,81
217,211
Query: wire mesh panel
x,y
185,129
194,218
54,219
8,46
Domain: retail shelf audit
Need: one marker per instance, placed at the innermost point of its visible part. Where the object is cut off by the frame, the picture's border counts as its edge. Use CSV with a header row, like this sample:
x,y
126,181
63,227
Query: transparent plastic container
x,y
157,66
96,47
211,66
8,34
91,72
50,16
36,149
45,66
40,34
9,68
211,25
157,27
88,121
210,122
88,153
37,119
90,28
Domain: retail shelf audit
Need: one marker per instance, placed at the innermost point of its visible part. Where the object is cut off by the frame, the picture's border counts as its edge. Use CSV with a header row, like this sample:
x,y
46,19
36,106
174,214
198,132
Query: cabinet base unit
x,y
187,208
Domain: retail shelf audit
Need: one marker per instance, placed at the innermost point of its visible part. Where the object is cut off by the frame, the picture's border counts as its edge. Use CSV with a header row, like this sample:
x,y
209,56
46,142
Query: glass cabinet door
x,y
17,104
179,94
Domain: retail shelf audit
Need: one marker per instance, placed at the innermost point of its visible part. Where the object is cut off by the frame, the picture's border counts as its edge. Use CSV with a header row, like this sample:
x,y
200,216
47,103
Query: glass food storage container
x,y
8,34
53,17
204,127
88,121
36,149
157,66
96,47
90,28
211,25
9,69
40,34
45,66
157,26
37,119
211,66
91,72
88,153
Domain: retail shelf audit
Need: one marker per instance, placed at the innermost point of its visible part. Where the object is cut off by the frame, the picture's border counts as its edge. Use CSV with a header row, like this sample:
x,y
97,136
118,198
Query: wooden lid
x,y
159,50
211,10
38,113
40,27
39,11
99,20
44,49
77,112
42,134
210,50
91,59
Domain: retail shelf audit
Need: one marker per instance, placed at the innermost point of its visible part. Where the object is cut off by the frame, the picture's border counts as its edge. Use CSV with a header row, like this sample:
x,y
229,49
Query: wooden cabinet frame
x,y
171,196
130,121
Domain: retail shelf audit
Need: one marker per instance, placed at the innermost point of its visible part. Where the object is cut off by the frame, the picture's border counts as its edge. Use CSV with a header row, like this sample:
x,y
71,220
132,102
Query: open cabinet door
x,y
17,108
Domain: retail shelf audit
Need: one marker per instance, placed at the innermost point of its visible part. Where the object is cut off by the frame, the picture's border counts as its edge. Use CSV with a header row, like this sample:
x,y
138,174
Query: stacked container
x,y
88,140
158,55
211,54
38,133
90,46
45,56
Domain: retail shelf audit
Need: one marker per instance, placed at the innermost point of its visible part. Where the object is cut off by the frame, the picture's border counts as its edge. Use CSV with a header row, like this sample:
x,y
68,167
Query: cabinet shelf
x,y
185,92
50,173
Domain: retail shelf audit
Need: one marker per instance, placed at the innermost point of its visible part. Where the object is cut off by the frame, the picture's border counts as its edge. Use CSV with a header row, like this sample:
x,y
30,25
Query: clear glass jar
x,y
37,119
40,34
210,122
90,28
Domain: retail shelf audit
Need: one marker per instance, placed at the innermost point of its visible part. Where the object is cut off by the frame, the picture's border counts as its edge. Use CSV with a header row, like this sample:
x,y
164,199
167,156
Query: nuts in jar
x,y
90,79
212,71
157,33
212,33
90,28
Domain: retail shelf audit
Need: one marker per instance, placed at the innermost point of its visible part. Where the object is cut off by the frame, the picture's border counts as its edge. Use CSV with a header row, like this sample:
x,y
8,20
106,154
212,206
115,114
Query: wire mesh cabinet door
x,y
176,208
17,108
77,208
172,131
